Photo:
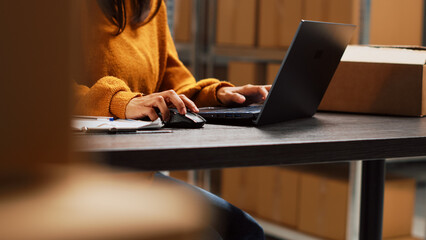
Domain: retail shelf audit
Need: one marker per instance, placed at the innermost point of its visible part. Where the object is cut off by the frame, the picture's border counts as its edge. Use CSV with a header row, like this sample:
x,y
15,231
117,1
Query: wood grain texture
x,y
327,137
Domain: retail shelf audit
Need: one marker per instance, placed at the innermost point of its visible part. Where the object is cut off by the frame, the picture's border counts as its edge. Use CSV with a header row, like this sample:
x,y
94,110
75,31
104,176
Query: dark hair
x,y
115,11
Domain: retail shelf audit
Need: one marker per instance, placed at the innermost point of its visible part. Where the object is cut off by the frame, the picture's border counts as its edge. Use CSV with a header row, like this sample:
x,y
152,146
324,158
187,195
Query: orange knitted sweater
x,y
139,61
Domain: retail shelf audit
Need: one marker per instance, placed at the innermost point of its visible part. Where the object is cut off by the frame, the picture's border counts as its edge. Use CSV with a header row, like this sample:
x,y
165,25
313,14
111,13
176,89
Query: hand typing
x,y
244,95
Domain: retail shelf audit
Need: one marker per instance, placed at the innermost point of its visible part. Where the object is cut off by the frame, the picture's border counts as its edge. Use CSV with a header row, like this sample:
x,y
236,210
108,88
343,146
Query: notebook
x,y
302,80
94,124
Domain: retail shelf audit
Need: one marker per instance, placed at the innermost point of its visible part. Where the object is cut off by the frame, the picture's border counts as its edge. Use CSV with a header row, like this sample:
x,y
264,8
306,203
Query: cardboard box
x,y
181,175
182,21
315,10
323,206
236,22
239,187
313,199
398,211
271,72
270,193
242,73
324,201
339,11
404,238
278,198
278,22
279,19
380,81
396,22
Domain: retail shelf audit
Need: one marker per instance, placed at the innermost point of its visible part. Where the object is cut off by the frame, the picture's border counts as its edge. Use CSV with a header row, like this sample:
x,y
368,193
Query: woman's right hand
x,y
141,107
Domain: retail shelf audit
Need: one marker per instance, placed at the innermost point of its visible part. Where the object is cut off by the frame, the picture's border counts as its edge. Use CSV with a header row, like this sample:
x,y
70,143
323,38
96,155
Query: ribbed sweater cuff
x,y
208,97
119,103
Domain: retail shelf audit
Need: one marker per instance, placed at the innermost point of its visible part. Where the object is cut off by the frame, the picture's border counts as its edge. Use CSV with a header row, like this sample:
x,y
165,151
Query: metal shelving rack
x,y
279,231
222,54
203,52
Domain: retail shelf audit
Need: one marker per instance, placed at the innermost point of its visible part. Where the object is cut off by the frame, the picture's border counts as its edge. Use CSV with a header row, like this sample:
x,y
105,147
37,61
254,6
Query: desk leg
x,y
200,178
424,202
372,194
354,198
193,177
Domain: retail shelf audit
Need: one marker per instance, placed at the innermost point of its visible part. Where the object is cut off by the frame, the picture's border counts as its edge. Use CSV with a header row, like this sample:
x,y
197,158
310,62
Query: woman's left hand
x,y
244,95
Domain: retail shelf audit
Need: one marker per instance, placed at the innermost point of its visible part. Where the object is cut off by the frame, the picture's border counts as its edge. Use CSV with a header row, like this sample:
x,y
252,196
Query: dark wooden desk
x,y
325,138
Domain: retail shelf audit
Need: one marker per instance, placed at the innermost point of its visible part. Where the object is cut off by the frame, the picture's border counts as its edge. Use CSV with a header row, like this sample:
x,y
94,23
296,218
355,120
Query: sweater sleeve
x,y
107,97
179,78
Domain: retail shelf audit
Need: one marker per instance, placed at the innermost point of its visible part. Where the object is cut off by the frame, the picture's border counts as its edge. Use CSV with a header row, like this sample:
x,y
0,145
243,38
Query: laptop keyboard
x,y
248,109
237,113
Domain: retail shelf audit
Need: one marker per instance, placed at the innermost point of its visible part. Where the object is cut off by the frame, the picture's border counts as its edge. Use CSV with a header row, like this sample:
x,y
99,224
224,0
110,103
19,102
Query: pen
x,y
154,131
94,118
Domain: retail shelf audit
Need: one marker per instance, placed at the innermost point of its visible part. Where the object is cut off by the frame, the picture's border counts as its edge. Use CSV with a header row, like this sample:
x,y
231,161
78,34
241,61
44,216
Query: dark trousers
x,y
231,223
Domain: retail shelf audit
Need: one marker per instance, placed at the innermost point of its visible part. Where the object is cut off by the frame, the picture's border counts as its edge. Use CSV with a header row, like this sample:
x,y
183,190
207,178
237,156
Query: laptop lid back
x,y
306,71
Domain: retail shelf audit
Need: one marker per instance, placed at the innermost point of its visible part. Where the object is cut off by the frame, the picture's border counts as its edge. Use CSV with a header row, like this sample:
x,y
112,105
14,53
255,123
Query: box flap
x,y
385,54
409,47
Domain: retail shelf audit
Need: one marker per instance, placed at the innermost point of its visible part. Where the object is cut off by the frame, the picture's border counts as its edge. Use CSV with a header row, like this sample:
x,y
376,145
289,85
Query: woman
x,y
130,67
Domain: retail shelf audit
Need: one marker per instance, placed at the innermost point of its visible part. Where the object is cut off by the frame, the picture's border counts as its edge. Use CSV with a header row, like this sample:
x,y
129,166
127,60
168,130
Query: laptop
x,y
302,80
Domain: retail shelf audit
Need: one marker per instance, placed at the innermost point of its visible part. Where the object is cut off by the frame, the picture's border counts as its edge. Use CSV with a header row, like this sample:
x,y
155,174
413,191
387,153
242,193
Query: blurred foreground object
x,y
35,69
38,202
92,204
